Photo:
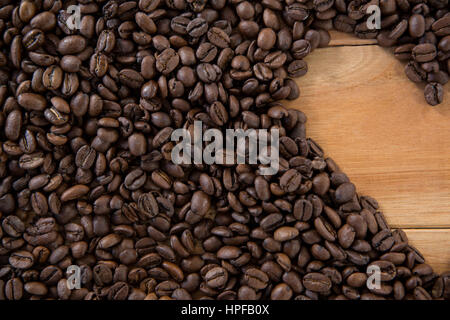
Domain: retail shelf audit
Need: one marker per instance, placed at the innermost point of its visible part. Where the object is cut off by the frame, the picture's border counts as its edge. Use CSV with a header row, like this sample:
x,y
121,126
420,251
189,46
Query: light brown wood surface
x,y
376,125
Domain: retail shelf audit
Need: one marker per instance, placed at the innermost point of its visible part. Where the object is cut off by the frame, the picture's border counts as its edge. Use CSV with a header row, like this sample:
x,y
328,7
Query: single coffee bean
x,y
346,236
36,288
285,234
52,77
206,52
266,38
208,73
281,292
179,24
256,278
131,78
434,93
424,52
216,277
148,205
218,37
345,192
13,226
317,282
441,26
137,144
197,27
414,72
14,289
297,68
70,63
167,61
32,101
383,240
85,157
21,259
200,203
74,192
291,180
416,25
135,179
72,45
325,229
13,125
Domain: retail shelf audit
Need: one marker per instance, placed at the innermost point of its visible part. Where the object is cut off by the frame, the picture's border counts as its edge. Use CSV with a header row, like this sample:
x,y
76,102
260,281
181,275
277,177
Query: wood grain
x,y
368,117
375,124
345,39
433,244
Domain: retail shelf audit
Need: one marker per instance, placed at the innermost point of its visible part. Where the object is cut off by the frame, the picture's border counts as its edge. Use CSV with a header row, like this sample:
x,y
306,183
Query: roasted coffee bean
x,y
167,61
13,226
206,52
434,93
256,278
131,78
346,236
208,73
291,180
13,125
118,291
403,52
52,77
218,37
285,233
36,288
145,23
98,64
85,157
14,289
74,192
218,113
344,23
216,277
414,72
321,184
317,282
387,269
281,292
325,229
71,45
32,101
424,52
297,68
383,240
197,27
148,205
179,24
21,259
135,179
441,26
266,38
137,144
416,25
345,192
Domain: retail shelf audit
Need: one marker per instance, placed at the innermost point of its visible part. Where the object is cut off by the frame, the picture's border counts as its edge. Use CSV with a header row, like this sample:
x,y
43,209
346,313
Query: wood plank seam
x,y
349,45
415,196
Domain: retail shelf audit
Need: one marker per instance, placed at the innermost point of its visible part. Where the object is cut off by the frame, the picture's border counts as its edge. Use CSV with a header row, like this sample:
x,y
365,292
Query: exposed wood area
x,y
377,126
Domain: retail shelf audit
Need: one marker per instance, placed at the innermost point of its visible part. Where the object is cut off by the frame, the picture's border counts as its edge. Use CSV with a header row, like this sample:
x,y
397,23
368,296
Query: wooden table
x,y
377,126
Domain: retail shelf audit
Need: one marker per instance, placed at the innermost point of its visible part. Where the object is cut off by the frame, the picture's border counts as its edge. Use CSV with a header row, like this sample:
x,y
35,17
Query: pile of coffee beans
x,y
419,30
88,106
